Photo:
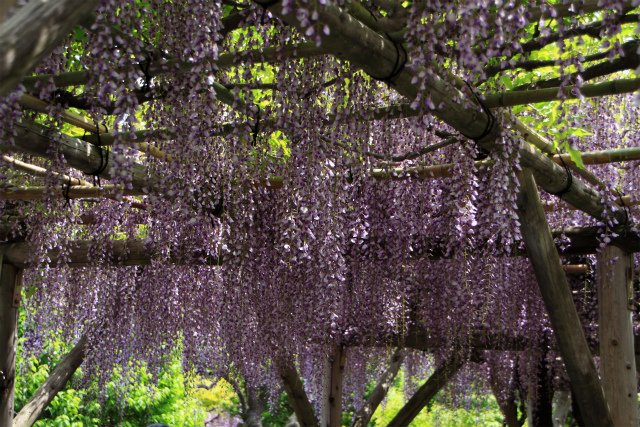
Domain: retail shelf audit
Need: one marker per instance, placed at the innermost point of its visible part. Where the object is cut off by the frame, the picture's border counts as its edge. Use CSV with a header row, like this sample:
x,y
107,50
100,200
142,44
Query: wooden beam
x,y
298,397
10,288
121,253
617,359
33,32
48,390
559,303
426,392
379,392
72,192
33,139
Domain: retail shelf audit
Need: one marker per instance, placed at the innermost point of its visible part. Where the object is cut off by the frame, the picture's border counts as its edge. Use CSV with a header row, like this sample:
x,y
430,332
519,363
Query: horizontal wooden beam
x,y
34,139
580,241
121,253
71,192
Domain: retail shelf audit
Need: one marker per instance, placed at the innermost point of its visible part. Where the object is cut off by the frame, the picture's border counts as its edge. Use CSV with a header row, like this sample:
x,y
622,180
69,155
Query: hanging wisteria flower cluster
x,y
288,202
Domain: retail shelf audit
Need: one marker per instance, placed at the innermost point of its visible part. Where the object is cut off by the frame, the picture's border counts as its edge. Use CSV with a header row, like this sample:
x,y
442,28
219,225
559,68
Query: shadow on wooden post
x,y
10,289
557,298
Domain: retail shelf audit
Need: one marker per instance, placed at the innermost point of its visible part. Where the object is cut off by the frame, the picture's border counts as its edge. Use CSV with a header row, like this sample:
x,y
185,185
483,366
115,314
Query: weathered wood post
x,y
331,415
617,358
557,298
10,290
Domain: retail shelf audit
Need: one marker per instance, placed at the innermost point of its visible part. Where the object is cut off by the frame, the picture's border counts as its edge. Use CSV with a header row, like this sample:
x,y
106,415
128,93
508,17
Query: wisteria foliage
x,y
334,256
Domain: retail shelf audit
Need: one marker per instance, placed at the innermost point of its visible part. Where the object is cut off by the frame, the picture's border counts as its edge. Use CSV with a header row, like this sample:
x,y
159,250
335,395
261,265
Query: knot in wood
x,y
614,341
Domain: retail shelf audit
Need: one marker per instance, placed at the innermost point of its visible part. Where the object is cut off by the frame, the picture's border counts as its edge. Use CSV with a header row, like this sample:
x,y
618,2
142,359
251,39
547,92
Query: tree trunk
x,y
10,284
33,32
559,303
29,414
256,404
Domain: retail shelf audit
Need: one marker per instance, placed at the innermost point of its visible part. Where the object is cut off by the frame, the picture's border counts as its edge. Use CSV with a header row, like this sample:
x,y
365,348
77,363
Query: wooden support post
x,y
615,306
335,392
298,397
10,288
363,416
557,298
429,389
51,386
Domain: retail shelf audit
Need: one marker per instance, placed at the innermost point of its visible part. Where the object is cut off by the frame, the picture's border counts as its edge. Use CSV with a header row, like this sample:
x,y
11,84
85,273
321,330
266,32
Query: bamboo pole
x,y
39,171
225,60
558,300
617,358
519,97
74,119
71,192
575,269
600,157
120,253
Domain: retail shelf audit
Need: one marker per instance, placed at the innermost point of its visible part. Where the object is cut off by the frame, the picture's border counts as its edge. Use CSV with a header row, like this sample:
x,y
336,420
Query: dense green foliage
x,y
144,401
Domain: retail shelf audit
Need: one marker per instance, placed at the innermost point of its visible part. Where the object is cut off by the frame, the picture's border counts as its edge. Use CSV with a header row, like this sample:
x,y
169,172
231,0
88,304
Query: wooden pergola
x,y
608,399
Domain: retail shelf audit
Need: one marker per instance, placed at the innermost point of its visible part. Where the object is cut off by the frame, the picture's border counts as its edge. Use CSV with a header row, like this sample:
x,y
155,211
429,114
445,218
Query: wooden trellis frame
x,y
357,42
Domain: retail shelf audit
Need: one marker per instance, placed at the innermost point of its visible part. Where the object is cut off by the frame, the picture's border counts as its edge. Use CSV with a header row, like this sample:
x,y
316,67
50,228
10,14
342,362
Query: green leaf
x,y
576,156
507,82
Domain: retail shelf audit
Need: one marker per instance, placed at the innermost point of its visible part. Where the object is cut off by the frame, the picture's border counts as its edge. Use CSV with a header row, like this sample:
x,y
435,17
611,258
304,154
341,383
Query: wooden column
x,y
10,282
617,358
335,393
331,415
559,303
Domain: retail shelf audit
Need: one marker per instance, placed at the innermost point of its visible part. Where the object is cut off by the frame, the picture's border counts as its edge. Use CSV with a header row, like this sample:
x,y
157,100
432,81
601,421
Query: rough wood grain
x,y
426,392
33,32
9,275
559,303
298,397
617,364
379,392
29,413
